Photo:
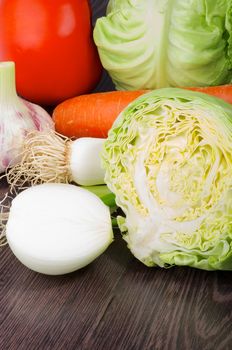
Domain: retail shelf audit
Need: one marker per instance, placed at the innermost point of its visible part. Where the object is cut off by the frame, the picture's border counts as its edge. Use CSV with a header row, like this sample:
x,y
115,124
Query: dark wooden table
x,y
115,303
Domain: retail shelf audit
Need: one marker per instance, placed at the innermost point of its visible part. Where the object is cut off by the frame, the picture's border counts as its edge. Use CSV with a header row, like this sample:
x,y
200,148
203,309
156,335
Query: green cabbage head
x,y
147,44
168,159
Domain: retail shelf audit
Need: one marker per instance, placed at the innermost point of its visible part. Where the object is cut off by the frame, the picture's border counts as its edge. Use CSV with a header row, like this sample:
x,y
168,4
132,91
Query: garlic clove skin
x,y
17,118
55,229
15,123
41,119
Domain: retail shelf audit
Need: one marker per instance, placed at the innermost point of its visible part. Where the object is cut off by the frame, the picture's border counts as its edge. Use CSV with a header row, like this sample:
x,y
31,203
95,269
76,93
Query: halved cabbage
x,y
168,159
158,43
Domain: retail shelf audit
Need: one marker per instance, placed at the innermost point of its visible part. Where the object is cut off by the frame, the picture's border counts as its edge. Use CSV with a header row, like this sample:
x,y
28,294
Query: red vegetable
x,y
51,44
93,115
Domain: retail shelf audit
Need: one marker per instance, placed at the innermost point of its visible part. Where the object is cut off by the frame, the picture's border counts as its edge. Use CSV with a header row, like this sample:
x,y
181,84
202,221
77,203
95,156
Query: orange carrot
x,y
223,91
93,115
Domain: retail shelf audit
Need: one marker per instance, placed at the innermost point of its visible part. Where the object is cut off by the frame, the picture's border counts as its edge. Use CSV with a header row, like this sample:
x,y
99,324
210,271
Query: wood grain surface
x,y
115,303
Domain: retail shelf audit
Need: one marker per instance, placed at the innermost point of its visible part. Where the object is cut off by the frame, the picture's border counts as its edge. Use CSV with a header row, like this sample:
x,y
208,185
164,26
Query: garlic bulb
x,y
17,118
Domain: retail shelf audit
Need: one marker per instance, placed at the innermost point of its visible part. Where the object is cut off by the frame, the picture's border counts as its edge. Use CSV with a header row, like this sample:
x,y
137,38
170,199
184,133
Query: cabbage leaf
x,y
159,43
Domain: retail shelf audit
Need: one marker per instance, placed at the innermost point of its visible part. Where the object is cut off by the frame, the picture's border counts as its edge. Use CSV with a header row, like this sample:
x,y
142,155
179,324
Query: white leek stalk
x,y
85,167
58,228
48,157
17,117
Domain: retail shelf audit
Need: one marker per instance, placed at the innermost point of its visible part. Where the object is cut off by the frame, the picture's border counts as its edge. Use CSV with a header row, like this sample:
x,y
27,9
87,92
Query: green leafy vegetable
x,y
152,44
168,159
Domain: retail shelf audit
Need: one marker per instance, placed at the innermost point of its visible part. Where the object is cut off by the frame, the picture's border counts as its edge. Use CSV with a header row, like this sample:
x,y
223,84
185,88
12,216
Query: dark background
x,y
99,9
114,303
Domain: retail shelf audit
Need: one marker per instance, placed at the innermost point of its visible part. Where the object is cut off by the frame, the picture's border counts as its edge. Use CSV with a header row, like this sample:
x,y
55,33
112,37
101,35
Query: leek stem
x,y
103,192
114,222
